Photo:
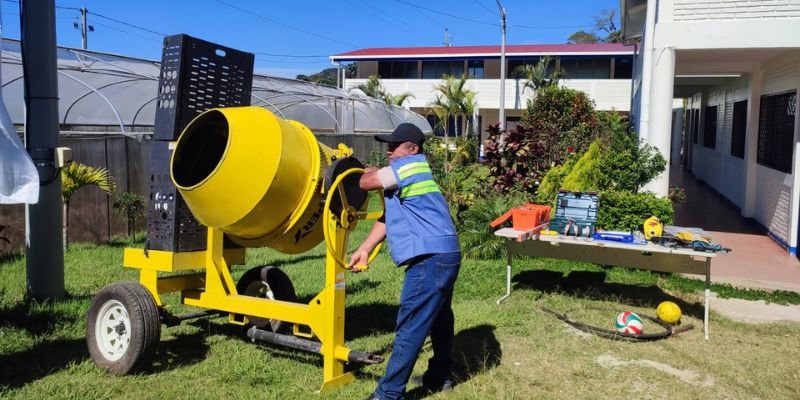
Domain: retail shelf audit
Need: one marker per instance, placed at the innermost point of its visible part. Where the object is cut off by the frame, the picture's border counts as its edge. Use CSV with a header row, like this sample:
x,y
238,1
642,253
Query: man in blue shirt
x,y
423,239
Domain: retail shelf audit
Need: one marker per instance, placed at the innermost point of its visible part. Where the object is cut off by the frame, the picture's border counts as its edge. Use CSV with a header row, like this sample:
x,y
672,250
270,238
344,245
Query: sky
x,y
297,36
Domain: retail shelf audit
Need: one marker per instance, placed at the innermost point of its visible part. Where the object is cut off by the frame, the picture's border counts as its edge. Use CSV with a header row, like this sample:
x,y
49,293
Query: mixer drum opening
x,y
203,145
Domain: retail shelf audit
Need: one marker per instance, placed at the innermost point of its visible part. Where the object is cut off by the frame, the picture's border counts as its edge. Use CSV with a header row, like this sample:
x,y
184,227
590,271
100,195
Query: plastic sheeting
x,y
100,89
19,180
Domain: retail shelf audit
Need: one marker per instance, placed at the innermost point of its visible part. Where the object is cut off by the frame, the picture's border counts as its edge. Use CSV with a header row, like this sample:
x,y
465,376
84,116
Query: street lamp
x,y
502,67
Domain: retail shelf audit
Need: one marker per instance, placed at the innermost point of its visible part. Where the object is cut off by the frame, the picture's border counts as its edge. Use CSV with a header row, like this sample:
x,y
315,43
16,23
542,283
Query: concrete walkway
x,y
756,260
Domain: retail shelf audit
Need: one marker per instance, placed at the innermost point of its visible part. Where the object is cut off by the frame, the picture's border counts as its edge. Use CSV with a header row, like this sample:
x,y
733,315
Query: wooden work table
x,y
650,256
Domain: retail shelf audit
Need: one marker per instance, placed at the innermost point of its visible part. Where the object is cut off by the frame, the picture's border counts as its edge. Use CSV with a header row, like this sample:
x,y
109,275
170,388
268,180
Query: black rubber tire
x,y
256,282
145,327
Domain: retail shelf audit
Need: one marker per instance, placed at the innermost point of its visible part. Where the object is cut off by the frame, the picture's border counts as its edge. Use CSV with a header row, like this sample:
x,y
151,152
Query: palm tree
x,y
454,99
398,100
372,87
75,176
537,76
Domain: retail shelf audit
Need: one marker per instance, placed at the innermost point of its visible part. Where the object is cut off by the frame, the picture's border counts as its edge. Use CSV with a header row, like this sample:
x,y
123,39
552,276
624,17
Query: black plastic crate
x,y
575,214
170,224
196,76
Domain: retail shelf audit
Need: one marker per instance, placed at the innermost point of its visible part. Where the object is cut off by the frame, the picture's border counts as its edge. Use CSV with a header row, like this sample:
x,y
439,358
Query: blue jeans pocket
x,y
446,274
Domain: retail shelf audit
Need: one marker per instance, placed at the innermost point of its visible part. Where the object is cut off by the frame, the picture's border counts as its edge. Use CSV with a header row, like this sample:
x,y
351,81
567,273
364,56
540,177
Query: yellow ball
x,y
669,312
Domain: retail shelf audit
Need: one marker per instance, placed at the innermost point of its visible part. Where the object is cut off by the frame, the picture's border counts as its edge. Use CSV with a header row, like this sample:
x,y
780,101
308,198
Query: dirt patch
x,y
688,376
755,312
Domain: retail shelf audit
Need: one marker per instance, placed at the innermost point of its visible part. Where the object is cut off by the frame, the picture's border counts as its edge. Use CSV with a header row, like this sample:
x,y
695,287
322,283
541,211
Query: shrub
x,y
477,237
626,164
620,210
676,195
131,206
562,118
516,159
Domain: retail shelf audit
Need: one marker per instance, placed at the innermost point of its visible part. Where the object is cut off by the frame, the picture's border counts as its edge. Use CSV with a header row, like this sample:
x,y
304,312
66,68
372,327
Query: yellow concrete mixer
x,y
257,180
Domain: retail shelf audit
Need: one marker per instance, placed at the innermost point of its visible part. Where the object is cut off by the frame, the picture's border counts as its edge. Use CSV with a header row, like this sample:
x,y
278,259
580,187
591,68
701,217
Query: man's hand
x,y
370,169
359,261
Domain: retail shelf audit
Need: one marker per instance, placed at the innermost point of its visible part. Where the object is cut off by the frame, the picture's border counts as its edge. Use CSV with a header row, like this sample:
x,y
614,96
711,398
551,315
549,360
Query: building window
x,y
776,131
623,67
438,69
512,123
586,68
398,70
475,69
710,128
738,128
453,125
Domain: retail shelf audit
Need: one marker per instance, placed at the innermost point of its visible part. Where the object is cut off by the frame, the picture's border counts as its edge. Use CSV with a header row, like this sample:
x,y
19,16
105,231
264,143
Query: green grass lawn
x,y
511,351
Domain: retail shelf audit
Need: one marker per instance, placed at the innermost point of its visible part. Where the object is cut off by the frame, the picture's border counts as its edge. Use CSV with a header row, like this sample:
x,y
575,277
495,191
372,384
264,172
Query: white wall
x,y
776,193
716,167
693,10
727,24
607,94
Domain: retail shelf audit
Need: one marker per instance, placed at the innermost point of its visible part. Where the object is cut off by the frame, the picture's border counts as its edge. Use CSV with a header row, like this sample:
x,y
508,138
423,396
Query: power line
x,y
549,27
276,22
292,55
127,24
289,62
389,21
126,32
486,8
445,14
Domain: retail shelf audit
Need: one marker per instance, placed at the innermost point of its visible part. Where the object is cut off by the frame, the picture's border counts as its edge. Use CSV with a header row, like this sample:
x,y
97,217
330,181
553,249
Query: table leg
x,y
508,276
707,297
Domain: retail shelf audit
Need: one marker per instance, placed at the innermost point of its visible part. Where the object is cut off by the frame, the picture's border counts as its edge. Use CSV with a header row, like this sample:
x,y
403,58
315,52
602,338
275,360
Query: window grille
x,y
738,128
710,128
776,131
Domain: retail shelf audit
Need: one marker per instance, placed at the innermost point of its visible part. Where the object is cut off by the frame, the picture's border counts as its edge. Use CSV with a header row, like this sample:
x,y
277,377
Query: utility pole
x,y
84,35
84,28
502,67
44,252
446,38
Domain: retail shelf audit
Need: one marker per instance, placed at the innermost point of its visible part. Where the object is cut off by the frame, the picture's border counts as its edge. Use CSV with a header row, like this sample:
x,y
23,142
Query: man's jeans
x,y
424,307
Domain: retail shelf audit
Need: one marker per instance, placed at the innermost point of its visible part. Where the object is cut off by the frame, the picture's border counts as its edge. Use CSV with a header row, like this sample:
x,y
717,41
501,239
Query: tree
x,y
131,206
398,100
605,23
373,88
459,101
75,176
325,77
537,76
582,37
603,31
454,99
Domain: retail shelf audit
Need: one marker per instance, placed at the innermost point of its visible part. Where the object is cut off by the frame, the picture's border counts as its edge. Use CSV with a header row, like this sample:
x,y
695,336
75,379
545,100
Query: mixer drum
x,y
255,176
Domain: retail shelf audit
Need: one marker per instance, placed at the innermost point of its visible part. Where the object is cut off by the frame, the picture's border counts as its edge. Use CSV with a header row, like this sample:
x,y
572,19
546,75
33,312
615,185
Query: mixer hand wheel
x,y
348,214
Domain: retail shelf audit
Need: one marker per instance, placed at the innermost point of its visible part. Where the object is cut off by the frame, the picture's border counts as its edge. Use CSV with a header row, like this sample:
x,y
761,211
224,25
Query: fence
x,y
92,217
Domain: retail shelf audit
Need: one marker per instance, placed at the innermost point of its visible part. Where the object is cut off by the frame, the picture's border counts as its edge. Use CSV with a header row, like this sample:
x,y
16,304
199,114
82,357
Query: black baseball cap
x,y
404,132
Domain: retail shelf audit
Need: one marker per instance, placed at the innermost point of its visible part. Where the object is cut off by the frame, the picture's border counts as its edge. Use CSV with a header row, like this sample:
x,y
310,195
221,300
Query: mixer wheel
x,y
123,328
268,283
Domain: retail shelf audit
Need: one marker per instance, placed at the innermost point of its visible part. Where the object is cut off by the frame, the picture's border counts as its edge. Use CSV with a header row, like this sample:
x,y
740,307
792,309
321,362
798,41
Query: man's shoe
x,y
445,386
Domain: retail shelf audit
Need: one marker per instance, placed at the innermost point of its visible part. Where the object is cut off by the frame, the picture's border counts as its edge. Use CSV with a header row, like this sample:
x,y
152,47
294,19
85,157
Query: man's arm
x,y
360,258
375,178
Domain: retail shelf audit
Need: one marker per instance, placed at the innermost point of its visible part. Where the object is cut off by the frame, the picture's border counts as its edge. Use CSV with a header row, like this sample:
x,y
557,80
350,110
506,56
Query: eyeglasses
x,y
395,145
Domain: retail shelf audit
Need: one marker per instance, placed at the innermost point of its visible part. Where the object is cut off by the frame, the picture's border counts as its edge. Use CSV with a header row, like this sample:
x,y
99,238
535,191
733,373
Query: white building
x,y
603,71
737,65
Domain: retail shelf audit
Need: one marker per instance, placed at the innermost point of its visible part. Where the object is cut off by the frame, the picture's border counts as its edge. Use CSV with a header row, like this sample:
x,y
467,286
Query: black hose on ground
x,y
669,330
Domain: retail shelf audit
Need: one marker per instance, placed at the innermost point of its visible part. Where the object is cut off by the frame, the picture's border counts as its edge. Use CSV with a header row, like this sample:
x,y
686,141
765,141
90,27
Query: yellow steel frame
x,y
214,289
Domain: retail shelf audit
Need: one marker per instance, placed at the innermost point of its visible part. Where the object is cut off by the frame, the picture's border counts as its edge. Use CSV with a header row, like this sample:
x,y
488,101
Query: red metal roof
x,y
455,51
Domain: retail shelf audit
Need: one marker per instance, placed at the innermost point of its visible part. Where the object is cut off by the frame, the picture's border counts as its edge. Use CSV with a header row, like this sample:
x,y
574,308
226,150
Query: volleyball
x,y
630,323
669,312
